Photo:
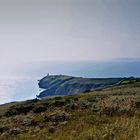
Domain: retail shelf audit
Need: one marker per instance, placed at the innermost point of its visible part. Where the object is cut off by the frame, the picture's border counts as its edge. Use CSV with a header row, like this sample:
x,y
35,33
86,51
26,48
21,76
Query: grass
x,y
106,114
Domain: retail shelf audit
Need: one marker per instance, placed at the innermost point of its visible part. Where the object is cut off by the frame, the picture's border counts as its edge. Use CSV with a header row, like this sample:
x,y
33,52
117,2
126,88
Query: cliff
x,y
65,85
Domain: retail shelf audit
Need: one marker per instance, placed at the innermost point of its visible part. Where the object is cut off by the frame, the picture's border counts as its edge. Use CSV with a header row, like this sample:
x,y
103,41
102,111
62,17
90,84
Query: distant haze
x,y
68,30
92,69
90,38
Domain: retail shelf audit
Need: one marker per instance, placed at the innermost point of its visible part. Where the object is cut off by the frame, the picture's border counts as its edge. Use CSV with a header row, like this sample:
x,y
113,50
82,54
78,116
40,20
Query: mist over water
x,y
17,89
114,68
65,30
23,83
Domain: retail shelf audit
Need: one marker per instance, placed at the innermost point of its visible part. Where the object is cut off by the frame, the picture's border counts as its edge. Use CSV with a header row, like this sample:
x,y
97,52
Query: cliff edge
x,y
54,85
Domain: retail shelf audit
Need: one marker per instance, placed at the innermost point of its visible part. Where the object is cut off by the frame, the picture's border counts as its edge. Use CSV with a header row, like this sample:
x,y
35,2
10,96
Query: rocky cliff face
x,y
65,85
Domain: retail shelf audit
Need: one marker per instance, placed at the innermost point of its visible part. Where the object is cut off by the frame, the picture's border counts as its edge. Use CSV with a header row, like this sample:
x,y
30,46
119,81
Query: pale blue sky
x,y
35,31
68,30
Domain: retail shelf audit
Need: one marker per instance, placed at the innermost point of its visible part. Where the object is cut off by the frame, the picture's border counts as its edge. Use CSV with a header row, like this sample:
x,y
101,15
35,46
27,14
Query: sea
x,y
23,83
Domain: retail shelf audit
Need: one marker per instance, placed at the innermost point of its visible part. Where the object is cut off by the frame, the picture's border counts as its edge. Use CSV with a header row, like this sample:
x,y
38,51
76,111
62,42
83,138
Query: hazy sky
x,y
65,30
70,30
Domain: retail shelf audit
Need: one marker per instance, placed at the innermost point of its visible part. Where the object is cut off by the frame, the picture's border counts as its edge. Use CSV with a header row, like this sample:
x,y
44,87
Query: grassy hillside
x,y
104,114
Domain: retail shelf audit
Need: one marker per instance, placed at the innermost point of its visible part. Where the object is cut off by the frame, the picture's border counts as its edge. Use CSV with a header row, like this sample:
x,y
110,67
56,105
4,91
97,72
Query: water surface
x,y
25,84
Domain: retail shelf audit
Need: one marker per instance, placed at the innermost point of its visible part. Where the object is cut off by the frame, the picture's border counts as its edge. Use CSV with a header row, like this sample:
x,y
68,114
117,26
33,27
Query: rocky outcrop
x,y
65,85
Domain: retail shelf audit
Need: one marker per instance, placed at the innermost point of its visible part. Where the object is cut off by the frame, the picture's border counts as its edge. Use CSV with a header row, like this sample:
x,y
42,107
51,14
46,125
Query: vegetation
x,y
106,114
66,85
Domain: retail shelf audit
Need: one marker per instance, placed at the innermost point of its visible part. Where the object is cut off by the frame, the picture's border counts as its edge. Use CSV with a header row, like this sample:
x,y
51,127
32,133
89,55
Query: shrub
x,y
15,131
110,111
86,91
10,112
51,130
29,122
18,110
84,103
71,106
58,98
3,129
95,108
137,104
39,109
24,109
93,99
57,117
127,112
59,103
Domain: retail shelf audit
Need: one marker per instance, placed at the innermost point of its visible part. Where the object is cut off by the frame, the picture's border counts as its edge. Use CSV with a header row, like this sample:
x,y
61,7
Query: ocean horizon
x,y
22,84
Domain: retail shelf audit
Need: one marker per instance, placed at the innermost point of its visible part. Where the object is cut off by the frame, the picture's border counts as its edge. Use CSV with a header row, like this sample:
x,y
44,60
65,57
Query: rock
x,y
66,85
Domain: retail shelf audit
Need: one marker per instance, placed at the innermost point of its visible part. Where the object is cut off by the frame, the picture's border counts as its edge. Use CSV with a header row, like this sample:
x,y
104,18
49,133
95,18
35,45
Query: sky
x,y
68,30
33,32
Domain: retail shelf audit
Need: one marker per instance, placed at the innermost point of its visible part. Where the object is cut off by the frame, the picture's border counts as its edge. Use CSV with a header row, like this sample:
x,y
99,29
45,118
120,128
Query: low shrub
x,y
39,109
84,103
57,117
51,130
10,112
3,129
29,122
15,131
71,106
58,103
18,110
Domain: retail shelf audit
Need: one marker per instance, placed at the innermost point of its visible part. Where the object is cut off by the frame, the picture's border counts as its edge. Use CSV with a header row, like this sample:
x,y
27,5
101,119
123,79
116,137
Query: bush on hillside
x,y
3,129
15,131
57,117
18,110
39,109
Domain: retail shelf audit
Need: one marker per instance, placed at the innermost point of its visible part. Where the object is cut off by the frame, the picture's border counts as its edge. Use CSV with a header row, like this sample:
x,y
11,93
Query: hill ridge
x,y
65,85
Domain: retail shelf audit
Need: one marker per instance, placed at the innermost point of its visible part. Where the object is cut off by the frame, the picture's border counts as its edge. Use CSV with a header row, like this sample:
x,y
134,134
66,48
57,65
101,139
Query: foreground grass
x,y
108,114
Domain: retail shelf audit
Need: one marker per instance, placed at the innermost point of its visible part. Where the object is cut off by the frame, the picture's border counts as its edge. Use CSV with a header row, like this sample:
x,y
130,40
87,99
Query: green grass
x,y
106,114
128,81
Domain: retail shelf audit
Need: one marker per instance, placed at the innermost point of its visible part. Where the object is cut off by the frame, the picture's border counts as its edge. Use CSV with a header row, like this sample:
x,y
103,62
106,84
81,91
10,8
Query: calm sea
x,y
26,86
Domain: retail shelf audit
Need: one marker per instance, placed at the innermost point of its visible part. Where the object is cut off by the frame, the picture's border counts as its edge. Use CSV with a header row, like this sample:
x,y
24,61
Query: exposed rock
x,y
65,85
